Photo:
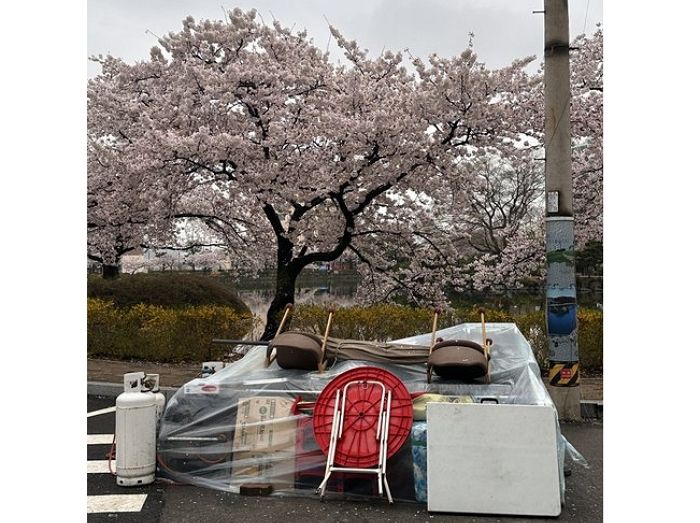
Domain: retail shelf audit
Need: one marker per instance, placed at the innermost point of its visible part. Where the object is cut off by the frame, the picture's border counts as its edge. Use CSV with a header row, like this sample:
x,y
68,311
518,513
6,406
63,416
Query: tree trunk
x,y
110,272
284,294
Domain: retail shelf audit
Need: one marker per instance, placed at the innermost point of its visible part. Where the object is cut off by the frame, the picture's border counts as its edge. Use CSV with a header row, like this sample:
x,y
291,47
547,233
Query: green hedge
x,y
590,337
167,289
385,322
379,322
154,333
150,332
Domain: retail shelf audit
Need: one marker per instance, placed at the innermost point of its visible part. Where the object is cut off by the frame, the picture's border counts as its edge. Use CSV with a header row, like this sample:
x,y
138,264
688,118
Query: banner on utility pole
x,y
559,226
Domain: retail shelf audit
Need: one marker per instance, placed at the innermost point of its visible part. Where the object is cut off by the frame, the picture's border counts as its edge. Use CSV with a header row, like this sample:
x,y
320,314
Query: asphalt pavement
x,y
188,504
102,489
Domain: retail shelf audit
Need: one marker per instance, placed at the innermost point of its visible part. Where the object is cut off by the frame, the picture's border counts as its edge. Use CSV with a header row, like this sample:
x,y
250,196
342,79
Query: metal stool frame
x,y
382,437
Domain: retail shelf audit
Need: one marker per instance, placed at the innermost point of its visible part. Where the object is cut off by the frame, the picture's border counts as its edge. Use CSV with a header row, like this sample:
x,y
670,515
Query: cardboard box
x,y
264,441
264,423
275,467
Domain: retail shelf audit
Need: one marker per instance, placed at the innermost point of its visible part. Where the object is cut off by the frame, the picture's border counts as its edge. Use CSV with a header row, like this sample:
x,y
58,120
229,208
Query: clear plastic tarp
x,y
252,424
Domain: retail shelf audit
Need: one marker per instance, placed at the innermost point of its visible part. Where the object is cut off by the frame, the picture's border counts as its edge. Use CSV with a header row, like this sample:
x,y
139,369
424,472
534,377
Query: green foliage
x,y
589,259
590,339
534,328
471,315
155,333
387,322
167,289
378,323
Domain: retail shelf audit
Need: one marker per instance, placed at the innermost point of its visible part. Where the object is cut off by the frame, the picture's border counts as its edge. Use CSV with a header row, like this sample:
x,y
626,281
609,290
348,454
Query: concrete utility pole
x,y
559,217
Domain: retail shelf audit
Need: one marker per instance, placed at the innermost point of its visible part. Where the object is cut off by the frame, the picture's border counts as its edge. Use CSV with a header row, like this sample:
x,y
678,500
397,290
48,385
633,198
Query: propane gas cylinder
x,y
135,433
152,383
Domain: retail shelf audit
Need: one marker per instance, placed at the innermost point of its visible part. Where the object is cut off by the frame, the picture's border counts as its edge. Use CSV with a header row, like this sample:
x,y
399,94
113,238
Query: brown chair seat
x,y
460,343
297,350
458,359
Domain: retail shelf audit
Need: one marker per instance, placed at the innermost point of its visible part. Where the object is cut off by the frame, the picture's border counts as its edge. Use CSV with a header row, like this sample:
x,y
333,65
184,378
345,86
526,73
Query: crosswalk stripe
x,y
98,466
100,439
101,411
115,503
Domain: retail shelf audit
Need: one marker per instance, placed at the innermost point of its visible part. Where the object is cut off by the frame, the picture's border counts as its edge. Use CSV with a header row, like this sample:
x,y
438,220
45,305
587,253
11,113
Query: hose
x,y
160,461
112,454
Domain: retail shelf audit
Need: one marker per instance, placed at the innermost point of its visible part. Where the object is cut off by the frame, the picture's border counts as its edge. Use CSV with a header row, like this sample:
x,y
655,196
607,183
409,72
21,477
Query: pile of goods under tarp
x,y
353,428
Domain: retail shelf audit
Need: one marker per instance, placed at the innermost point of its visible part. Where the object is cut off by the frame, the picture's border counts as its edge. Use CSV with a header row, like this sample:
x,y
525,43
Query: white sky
x,y
503,29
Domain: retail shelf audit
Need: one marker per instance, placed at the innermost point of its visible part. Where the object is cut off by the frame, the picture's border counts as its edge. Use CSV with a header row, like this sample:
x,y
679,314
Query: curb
x,y
112,390
590,410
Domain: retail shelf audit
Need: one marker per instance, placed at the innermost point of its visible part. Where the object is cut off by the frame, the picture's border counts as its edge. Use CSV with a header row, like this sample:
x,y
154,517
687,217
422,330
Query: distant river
x,y
340,288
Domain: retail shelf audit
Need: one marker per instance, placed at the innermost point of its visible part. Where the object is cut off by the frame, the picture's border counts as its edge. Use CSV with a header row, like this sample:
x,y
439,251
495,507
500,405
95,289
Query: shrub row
x,y
378,322
155,333
167,289
385,322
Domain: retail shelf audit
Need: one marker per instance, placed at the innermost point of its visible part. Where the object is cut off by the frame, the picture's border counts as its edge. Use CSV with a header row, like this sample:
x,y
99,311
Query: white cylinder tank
x,y
135,433
160,403
152,382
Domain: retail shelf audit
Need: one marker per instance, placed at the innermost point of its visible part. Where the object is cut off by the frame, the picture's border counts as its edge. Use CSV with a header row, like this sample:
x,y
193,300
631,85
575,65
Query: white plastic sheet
x,y
218,432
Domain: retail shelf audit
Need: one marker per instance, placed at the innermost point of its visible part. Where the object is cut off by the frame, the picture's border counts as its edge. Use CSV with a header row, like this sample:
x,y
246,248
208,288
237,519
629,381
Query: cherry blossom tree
x,y
518,253
251,130
121,200
587,135
249,135
127,208
490,122
117,216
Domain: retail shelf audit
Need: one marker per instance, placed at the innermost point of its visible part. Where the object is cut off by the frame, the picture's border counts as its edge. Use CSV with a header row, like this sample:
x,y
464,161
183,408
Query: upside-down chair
x,y
464,360
297,349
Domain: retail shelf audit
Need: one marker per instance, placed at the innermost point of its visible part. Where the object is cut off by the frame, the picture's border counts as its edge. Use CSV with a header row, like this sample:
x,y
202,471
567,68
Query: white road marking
x,y
100,439
99,466
101,411
111,503
115,503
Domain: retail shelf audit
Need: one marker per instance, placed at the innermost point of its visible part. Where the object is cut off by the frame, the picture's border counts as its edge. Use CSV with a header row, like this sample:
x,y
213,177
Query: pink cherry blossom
x,y
244,136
